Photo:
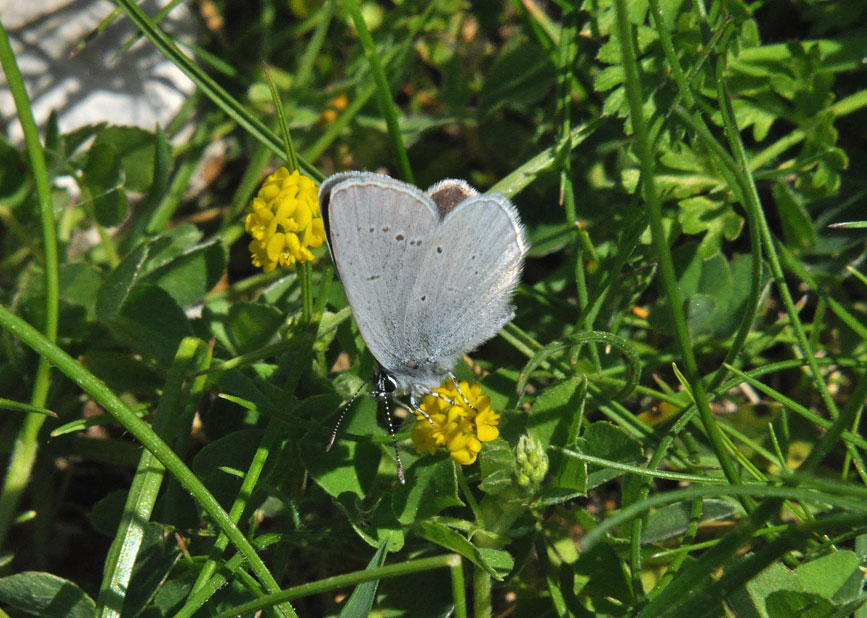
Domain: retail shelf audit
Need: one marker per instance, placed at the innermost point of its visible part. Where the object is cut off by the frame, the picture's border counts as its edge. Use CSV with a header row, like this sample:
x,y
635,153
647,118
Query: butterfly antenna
x,y
400,475
343,410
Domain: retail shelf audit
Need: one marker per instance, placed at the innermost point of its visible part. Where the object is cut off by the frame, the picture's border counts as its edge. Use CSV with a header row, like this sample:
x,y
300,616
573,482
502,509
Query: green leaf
x,y
747,114
123,371
700,311
134,150
103,177
79,284
714,297
233,451
172,243
360,602
431,487
496,562
789,603
106,513
608,78
190,275
251,326
607,441
15,181
152,322
497,465
716,220
45,595
672,520
798,229
157,556
376,526
835,576
551,416
600,575
751,600
120,281
351,463
521,76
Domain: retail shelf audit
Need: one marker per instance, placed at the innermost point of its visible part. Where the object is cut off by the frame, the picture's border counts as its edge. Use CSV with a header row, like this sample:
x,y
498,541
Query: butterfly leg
x,y
460,392
413,402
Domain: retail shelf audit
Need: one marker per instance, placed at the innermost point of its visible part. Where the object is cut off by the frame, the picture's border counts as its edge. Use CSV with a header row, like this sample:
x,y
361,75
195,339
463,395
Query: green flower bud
x,y
532,461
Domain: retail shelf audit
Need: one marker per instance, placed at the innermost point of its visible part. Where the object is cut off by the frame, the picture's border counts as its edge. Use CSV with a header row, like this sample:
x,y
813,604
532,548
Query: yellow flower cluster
x,y
456,426
284,221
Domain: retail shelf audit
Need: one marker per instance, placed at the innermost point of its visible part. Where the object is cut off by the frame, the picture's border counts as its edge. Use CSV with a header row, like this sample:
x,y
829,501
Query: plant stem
x,y
25,446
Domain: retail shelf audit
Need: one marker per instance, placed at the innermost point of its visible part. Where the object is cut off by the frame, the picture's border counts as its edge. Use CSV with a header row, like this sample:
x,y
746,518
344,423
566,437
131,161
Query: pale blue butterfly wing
x,y
466,280
428,275
377,230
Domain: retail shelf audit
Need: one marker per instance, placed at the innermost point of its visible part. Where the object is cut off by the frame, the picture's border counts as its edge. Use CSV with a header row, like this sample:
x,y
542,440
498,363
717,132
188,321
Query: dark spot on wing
x,y
385,229
372,277
439,249
399,237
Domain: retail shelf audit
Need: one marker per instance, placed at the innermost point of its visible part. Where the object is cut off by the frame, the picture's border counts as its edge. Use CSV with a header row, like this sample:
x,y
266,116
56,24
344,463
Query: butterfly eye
x,y
389,384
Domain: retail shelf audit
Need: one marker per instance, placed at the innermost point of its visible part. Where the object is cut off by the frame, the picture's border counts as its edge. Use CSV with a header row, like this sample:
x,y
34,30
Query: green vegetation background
x,y
681,389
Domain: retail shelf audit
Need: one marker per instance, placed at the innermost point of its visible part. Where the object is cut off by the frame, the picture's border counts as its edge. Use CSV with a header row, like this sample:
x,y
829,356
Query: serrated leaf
x,y
747,114
608,78
716,220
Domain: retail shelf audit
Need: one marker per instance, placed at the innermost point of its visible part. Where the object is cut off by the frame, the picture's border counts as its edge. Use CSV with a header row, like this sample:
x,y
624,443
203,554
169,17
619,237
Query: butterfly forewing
x,y
378,230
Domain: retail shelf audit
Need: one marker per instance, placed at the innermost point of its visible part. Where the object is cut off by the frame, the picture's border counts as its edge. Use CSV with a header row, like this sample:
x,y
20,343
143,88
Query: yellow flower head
x,y
284,221
457,427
